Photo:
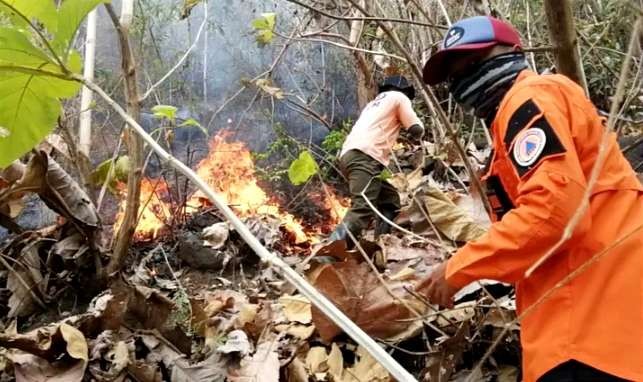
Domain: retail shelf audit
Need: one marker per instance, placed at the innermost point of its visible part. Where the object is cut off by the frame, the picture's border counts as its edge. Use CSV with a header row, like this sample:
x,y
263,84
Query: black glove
x,y
416,132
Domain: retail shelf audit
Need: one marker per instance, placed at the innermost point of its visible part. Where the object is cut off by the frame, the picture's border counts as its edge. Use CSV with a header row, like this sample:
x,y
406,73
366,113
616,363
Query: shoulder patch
x,y
519,120
529,145
533,144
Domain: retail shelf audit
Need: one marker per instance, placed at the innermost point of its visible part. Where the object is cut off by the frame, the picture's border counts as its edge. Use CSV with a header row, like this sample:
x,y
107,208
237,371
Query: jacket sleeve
x,y
548,194
406,114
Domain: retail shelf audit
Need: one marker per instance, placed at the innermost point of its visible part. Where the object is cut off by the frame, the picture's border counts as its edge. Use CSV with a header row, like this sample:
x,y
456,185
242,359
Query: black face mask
x,y
483,87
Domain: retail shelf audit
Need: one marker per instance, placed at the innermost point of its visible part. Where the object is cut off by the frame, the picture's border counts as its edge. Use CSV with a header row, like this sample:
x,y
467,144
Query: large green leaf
x,y
16,49
44,11
28,114
70,14
30,102
302,168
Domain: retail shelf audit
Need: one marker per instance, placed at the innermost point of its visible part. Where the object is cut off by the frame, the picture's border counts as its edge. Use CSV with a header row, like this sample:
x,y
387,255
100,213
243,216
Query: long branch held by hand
x,y
316,298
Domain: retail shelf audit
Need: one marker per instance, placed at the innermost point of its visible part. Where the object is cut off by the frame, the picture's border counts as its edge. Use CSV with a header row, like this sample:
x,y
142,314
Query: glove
x,y
416,132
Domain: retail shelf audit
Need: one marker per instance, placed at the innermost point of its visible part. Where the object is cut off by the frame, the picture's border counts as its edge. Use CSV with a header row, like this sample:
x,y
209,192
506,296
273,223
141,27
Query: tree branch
x,y
284,269
368,18
135,149
179,63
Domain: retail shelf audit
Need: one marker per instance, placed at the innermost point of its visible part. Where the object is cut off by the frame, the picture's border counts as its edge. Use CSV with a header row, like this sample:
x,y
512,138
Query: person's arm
x,y
549,192
409,119
551,186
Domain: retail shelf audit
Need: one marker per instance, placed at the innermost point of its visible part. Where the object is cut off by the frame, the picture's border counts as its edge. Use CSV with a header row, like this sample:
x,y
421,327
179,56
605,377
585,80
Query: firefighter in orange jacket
x,y
546,137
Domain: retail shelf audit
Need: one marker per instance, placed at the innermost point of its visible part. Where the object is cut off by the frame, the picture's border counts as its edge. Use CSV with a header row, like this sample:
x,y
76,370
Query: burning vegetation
x,y
230,170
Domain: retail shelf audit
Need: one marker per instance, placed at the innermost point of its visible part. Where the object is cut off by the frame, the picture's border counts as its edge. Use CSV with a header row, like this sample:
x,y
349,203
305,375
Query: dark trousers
x,y
363,174
574,371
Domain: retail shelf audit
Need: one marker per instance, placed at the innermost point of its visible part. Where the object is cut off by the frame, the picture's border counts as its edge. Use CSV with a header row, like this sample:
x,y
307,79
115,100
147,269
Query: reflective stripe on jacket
x,y
546,137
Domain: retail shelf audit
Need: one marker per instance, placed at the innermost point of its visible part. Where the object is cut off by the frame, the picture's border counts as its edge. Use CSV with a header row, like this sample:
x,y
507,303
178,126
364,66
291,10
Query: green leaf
x,y
16,49
30,102
121,168
264,27
302,168
386,174
165,111
42,10
70,15
191,122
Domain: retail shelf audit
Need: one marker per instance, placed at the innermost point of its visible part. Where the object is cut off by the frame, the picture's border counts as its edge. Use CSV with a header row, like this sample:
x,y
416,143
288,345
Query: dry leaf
x,y
297,308
263,366
355,290
335,362
30,368
316,360
216,235
366,369
209,370
246,315
76,343
299,331
452,221
297,371
237,342
25,280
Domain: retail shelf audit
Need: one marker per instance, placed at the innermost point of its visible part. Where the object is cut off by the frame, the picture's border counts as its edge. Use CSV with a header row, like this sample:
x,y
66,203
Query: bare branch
x,y
178,64
368,18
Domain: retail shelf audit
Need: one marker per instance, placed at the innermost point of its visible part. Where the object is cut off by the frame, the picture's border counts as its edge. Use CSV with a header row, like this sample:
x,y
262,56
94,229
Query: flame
x,y
153,212
230,170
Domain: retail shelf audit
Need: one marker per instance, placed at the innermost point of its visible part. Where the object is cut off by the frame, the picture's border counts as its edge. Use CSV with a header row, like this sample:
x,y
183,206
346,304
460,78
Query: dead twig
x,y
357,18
22,281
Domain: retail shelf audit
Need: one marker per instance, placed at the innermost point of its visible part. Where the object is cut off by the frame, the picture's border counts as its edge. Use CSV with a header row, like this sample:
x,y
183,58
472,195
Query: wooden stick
x,y
316,298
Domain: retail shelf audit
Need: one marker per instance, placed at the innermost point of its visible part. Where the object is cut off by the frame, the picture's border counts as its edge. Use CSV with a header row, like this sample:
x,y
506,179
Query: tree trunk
x,y
560,22
135,150
365,83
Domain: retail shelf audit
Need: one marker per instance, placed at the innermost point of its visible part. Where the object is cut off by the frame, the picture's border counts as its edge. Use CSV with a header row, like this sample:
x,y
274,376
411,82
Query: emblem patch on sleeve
x,y
529,145
534,144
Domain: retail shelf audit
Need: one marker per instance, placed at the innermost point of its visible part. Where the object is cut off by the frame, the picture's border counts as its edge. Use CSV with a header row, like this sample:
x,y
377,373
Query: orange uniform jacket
x,y
546,138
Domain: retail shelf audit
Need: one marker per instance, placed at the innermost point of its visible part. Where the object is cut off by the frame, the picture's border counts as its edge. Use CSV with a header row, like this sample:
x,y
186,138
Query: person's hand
x,y
416,133
435,287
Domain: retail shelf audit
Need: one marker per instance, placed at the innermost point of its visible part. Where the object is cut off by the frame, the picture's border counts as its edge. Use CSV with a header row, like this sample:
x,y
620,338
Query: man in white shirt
x,y
366,153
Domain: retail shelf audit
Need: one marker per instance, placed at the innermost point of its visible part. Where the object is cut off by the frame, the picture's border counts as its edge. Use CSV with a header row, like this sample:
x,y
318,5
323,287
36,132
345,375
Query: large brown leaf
x,y
355,290
44,176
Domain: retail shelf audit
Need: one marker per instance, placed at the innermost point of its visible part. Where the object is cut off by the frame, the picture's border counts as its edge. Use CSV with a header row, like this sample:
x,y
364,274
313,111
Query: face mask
x,y
483,87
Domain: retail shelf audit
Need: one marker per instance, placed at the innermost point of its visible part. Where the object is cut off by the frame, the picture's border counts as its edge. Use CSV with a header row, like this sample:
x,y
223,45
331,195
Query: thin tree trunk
x,y
85,125
365,83
560,22
135,150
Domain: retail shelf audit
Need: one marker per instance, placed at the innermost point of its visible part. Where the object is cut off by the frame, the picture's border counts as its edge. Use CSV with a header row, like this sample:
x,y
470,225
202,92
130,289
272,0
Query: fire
x,y
153,212
229,169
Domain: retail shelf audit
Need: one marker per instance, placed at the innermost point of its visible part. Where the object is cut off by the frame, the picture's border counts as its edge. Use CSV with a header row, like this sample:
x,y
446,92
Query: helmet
x,y
399,83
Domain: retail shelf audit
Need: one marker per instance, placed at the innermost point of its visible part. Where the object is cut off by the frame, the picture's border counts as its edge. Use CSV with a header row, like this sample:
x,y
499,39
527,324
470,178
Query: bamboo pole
x,y
86,96
317,299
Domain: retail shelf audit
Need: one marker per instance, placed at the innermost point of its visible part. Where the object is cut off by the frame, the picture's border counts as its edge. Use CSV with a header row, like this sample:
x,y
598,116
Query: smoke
x,y
315,75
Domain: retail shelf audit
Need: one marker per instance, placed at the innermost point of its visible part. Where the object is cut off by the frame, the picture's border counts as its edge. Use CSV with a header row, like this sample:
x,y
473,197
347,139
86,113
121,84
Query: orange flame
x,y
153,212
229,169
